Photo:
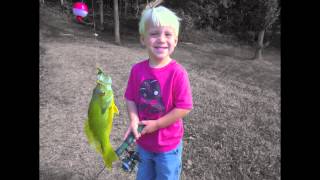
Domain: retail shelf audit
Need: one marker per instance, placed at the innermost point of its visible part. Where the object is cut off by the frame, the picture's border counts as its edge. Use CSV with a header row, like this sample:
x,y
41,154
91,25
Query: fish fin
x,y
103,109
105,106
109,156
115,108
91,139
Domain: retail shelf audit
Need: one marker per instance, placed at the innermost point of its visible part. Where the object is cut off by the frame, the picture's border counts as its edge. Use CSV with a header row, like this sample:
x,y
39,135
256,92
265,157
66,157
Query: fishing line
x,y
96,57
99,173
94,29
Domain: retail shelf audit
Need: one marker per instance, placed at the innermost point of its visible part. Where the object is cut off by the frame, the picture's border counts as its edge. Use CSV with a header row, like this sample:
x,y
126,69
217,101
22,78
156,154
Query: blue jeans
x,y
160,166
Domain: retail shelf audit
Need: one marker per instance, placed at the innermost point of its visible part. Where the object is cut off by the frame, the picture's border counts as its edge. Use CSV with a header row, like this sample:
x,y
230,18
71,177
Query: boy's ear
x,y
175,41
142,40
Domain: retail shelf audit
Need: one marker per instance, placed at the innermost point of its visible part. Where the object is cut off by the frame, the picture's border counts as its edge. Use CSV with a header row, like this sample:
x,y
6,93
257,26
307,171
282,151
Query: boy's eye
x,y
168,34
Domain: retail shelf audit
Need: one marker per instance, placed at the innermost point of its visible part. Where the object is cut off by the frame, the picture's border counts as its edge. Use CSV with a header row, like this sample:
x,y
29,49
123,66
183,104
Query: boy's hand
x,y
150,126
133,128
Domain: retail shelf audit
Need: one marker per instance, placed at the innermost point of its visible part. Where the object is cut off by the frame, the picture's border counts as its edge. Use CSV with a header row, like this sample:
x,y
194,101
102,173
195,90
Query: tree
x,y
250,15
125,8
232,16
137,7
101,15
262,17
116,22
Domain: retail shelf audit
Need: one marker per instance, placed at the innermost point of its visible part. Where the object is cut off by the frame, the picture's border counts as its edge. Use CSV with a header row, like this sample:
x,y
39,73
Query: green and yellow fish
x,y
100,116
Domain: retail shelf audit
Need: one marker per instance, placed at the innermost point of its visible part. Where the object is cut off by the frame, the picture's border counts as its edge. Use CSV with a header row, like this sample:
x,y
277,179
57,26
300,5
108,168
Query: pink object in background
x,y
80,9
79,19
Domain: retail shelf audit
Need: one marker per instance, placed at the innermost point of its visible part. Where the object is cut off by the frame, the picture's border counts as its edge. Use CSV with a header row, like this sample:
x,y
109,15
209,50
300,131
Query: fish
x,y
101,111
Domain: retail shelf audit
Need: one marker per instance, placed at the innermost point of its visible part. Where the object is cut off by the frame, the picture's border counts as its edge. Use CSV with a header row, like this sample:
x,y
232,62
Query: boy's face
x,y
160,41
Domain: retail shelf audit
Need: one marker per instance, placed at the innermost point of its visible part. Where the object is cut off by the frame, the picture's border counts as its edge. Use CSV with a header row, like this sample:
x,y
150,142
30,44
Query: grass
x,y
233,131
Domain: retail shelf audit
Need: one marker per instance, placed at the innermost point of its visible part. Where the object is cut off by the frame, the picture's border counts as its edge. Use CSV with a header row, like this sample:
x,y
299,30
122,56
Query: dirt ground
x,y
233,132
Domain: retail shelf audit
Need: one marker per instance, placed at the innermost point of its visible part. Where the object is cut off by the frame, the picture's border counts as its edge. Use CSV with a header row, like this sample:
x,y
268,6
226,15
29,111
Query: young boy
x,y
158,95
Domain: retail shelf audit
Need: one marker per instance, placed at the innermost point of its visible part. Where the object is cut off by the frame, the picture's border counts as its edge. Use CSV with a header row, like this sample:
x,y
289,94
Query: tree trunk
x,y
137,8
101,15
62,5
125,8
119,7
116,22
260,46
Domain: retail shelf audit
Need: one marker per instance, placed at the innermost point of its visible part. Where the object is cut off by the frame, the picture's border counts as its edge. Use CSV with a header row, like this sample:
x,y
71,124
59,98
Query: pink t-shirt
x,y
156,91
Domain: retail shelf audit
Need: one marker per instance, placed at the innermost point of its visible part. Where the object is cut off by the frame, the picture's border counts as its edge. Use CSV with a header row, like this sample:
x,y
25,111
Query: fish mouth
x,y
101,83
102,78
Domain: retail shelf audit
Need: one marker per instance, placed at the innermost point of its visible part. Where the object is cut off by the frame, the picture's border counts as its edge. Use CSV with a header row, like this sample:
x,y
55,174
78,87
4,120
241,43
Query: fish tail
x,y
91,139
109,156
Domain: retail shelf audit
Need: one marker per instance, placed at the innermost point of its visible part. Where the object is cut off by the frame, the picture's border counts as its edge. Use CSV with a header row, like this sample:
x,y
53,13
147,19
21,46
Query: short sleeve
x,y
182,91
130,93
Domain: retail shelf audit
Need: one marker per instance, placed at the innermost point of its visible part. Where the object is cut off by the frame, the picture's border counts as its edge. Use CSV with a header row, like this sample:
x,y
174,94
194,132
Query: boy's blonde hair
x,y
159,16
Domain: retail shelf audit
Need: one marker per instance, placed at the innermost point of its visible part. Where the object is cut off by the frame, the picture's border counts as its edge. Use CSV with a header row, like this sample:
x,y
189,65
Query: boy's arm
x,y
164,121
134,119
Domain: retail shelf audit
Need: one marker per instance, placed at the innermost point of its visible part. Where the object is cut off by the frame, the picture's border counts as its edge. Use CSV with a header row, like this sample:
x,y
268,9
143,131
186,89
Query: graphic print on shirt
x,y
151,104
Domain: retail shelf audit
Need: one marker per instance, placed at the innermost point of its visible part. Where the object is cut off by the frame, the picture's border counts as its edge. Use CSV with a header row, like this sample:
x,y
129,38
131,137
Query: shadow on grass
x,y
236,53
60,175
245,56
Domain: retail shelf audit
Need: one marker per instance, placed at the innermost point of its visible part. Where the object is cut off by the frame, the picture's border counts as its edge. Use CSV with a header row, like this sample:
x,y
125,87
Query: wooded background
x,y
248,20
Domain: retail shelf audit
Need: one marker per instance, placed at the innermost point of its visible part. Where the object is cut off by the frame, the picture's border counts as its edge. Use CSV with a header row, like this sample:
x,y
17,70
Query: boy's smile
x,y
160,49
160,43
